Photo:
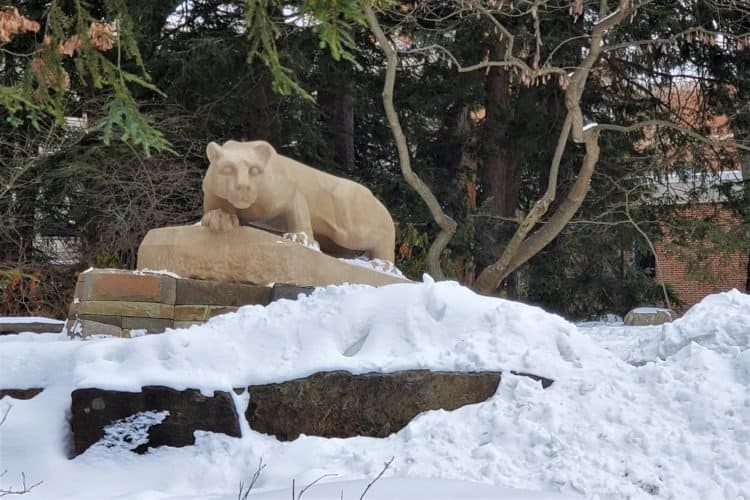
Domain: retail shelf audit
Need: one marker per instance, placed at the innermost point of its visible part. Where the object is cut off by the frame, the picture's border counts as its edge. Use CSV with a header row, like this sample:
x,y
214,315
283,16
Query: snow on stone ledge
x,y
29,319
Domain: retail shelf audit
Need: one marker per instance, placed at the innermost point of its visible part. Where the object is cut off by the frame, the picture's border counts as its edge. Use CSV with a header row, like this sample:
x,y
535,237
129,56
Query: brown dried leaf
x,y
50,76
404,251
69,46
102,36
13,23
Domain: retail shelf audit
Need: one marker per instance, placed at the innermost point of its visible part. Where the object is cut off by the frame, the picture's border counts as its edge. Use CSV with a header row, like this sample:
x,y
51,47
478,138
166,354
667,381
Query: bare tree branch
x,y
657,264
446,223
608,127
385,468
244,492
522,247
310,485
21,491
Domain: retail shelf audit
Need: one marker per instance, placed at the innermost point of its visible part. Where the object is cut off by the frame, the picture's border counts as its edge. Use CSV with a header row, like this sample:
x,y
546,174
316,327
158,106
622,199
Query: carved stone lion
x,y
250,183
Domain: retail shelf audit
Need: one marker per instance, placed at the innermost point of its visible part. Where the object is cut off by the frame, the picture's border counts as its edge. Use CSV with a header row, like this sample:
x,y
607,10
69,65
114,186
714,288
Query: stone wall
x,y
115,302
327,404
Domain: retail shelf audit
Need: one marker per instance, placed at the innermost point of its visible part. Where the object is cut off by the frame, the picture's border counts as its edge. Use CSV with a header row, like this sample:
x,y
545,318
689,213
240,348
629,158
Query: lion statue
x,y
250,183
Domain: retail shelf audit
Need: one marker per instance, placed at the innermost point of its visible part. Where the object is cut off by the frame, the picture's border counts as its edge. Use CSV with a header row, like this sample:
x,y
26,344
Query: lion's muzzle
x,y
242,196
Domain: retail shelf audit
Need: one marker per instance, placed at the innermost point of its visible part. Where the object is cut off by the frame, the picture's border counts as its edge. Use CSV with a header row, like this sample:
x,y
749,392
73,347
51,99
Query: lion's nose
x,y
243,179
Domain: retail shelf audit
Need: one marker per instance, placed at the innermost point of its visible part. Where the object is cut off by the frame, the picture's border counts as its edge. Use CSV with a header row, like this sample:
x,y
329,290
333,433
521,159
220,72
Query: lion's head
x,y
237,171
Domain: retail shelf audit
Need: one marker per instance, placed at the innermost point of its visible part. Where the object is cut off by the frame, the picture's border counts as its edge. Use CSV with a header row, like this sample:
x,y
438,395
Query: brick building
x,y
695,187
698,268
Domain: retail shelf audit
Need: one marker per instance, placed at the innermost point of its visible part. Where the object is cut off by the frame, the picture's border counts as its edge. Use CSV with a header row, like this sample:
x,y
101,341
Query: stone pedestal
x,y
248,255
113,302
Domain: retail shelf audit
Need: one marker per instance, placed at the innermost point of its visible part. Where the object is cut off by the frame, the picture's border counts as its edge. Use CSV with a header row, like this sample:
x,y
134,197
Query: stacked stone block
x,y
115,302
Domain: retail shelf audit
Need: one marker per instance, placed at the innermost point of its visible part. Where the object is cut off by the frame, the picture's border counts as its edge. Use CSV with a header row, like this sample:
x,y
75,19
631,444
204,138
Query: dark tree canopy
x,y
107,107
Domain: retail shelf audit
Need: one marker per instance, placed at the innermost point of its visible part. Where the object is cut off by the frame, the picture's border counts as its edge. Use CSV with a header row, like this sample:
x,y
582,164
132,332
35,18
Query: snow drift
x,y
677,427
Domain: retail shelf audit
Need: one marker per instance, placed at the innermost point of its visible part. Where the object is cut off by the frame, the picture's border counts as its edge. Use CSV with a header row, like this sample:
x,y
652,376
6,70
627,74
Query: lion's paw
x,y
219,220
303,239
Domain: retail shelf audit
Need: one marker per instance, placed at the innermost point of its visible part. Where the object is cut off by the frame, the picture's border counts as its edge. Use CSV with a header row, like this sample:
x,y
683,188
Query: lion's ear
x,y
264,151
213,151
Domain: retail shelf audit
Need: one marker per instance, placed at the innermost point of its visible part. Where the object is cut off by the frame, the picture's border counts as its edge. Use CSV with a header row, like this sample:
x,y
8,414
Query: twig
x,y
242,495
385,468
310,485
637,227
671,125
5,415
24,489
657,264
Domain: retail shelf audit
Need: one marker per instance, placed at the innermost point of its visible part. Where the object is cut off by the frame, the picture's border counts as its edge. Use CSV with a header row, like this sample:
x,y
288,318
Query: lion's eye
x,y
254,171
226,170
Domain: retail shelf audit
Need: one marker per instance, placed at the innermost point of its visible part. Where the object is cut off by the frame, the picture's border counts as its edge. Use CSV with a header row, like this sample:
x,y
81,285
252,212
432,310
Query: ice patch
x,y
130,432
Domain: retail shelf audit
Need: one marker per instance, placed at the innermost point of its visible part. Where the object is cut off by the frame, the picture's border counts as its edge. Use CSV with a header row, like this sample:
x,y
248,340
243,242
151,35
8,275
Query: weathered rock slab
x,y
115,285
213,293
20,393
31,326
643,316
122,308
289,292
326,404
248,255
92,410
340,404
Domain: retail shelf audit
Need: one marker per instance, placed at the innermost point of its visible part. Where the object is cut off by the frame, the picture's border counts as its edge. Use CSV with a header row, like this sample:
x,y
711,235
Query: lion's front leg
x,y
298,223
220,220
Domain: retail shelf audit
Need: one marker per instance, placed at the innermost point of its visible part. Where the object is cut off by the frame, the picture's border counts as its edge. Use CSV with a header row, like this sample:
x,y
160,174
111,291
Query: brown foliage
x,y
12,23
69,46
102,36
36,290
50,75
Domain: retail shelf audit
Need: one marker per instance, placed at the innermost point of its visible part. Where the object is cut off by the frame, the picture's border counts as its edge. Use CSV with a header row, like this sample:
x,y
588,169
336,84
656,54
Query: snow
x,y
650,310
410,489
634,412
29,319
589,126
157,271
607,17
130,432
719,322
379,265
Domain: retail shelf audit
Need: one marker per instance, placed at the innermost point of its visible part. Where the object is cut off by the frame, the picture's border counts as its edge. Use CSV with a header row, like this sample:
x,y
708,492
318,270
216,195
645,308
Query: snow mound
x,y
440,326
720,322
672,428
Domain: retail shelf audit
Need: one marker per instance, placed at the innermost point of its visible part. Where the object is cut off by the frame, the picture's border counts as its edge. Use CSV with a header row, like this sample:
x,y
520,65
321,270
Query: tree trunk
x,y
499,173
338,108
520,248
